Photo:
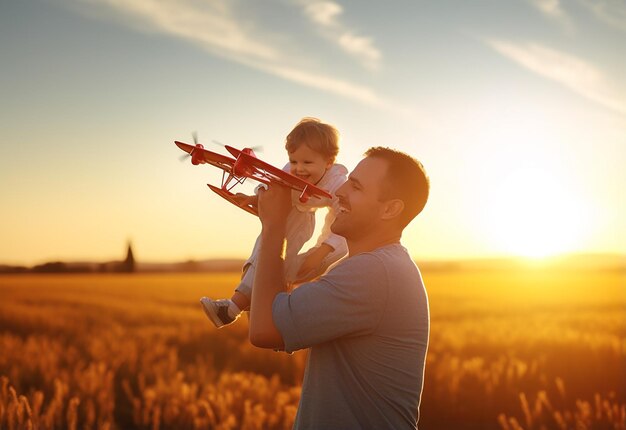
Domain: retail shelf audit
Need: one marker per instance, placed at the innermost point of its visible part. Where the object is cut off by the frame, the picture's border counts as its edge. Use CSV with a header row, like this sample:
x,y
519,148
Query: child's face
x,y
308,164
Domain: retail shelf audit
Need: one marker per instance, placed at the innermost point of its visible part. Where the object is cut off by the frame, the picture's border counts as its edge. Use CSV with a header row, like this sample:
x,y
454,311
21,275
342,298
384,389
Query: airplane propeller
x,y
194,135
254,148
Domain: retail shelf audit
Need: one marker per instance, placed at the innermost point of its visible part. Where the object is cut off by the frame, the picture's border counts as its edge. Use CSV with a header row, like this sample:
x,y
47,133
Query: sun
x,y
534,213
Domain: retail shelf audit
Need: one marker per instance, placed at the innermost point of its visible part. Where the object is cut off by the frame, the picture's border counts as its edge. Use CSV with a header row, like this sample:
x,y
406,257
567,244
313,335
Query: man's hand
x,y
274,205
246,200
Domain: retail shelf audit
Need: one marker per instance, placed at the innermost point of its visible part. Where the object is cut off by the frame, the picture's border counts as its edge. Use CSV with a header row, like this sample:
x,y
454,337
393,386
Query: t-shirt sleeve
x,y
348,301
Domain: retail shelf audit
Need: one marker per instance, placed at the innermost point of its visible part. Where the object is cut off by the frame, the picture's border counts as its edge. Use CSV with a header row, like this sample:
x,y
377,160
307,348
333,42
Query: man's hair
x,y
320,137
405,180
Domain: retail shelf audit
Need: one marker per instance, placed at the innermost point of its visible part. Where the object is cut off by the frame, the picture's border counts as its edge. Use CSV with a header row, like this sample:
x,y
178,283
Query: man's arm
x,y
269,280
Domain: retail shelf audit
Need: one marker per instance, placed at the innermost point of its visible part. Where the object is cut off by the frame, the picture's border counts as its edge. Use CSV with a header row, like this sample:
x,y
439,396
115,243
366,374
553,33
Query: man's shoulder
x,y
356,260
393,253
383,254
372,264
355,268
393,261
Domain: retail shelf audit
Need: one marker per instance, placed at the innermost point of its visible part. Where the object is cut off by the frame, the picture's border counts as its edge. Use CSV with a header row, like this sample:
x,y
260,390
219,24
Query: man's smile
x,y
344,208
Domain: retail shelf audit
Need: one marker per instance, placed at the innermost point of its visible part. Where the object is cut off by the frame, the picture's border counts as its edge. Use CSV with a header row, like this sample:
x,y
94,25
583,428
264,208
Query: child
x,y
312,147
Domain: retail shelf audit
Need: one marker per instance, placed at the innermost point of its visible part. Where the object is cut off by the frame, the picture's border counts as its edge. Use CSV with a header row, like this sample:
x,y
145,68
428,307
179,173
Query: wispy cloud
x,y
216,27
612,12
551,8
212,25
325,15
578,75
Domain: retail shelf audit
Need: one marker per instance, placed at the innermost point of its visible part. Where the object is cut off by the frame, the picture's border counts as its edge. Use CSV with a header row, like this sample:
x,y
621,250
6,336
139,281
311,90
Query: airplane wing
x,y
185,146
230,197
267,171
206,156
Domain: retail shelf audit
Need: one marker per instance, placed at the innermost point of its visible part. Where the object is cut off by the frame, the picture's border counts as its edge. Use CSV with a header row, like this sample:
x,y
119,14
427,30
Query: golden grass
x,y
530,349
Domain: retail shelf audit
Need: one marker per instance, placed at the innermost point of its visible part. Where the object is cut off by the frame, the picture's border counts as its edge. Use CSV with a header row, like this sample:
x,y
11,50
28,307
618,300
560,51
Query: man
x,y
366,321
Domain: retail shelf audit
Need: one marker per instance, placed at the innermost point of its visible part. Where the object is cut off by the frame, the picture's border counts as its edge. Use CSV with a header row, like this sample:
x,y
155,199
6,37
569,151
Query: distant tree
x,y
52,267
13,269
189,266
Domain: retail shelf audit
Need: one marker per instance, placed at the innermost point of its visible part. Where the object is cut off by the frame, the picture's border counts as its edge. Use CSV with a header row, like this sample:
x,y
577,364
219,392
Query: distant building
x,y
128,265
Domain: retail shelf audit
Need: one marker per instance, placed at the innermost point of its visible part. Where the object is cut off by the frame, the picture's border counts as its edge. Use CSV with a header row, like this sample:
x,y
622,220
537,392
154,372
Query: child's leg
x,y
241,300
225,311
243,292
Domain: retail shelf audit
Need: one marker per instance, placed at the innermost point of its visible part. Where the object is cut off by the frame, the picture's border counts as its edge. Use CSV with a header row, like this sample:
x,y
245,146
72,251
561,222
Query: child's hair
x,y
320,137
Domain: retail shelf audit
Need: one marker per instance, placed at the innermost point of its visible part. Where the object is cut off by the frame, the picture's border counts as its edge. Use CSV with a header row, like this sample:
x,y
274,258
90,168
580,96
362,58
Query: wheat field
x,y
515,348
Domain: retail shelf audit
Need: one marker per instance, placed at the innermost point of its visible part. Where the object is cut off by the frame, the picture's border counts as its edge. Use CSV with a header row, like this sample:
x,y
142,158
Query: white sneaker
x,y
221,312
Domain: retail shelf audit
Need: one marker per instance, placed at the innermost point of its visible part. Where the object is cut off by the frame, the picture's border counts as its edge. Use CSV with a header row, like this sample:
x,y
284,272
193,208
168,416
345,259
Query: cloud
x,y
325,16
209,24
360,47
323,13
216,28
551,8
612,12
340,87
576,74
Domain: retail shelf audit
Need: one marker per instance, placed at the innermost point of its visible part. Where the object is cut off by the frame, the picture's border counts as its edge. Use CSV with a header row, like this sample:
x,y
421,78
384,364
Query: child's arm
x,y
313,260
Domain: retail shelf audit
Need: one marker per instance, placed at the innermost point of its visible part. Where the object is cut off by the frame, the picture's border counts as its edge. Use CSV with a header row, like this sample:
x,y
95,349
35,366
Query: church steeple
x,y
128,265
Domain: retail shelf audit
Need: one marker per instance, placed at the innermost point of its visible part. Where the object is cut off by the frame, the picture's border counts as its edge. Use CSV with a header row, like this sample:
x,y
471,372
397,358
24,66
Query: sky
x,y
517,109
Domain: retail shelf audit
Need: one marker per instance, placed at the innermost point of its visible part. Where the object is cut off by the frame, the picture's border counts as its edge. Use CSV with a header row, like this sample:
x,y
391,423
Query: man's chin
x,y
337,228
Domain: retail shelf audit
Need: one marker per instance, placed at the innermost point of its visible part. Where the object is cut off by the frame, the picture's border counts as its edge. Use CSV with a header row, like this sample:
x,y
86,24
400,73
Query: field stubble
x,y
526,349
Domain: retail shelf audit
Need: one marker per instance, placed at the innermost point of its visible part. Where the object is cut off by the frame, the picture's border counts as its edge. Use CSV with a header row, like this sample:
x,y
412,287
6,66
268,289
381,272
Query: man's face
x,y
359,199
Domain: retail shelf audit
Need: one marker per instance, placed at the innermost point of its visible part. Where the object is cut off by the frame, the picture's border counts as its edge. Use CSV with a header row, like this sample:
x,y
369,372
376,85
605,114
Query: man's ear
x,y
393,208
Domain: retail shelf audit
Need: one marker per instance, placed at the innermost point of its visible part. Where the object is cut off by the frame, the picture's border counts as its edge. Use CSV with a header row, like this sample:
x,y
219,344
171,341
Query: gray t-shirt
x,y
366,322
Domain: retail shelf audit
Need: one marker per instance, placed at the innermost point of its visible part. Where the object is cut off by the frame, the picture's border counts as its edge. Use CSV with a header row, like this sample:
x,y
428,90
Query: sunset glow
x,y
516,112
533,214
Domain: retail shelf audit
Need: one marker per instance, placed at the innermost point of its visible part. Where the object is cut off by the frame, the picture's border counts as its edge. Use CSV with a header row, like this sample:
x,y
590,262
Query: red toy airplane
x,y
247,165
